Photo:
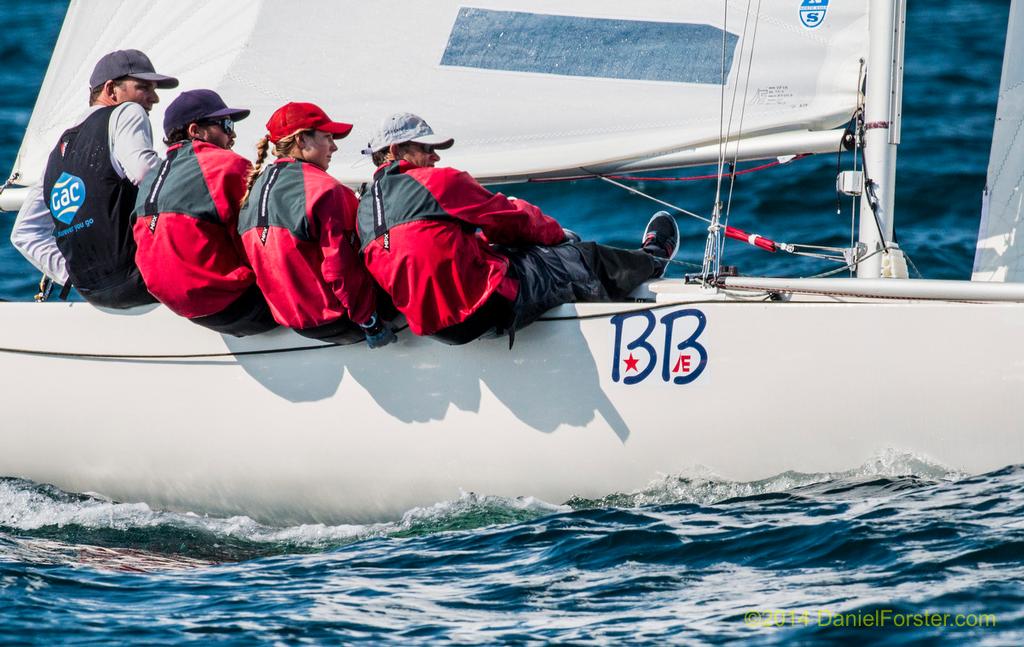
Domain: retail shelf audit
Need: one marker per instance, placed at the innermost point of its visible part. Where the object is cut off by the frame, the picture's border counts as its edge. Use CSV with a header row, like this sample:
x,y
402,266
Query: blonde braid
x,y
262,146
283,148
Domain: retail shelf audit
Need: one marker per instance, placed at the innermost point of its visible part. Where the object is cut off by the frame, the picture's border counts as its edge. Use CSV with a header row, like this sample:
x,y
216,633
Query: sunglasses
x,y
426,148
227,124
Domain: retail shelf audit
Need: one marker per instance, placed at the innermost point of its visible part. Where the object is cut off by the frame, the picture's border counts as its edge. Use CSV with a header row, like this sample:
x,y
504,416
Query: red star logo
x,y
631,363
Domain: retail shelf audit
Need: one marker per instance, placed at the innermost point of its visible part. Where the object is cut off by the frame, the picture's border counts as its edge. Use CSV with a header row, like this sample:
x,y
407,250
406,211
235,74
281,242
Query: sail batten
x,y
528,88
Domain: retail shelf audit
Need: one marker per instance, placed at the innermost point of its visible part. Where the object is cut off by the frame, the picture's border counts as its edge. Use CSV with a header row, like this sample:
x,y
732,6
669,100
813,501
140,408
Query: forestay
x,y
999,257
527,88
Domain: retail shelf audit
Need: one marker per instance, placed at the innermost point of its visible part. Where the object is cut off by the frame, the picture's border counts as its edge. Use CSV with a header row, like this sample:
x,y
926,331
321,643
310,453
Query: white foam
x,y
25,506
700,485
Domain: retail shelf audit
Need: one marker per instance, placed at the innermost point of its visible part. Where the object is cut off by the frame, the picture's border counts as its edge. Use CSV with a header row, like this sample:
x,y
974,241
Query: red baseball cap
x,y
295,116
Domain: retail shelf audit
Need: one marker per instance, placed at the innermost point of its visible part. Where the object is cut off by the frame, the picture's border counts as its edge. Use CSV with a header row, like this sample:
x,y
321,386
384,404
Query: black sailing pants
x,y
550,276
128,293
249,314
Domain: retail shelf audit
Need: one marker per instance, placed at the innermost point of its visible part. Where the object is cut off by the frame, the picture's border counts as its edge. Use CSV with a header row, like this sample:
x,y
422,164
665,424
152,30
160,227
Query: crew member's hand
x,y
377,332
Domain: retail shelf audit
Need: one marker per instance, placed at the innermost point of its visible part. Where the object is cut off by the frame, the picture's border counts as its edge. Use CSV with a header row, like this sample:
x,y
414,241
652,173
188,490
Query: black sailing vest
x,y
91,207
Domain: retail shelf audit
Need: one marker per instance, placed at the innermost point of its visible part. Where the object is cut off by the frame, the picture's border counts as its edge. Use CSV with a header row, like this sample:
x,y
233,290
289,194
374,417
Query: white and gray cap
x,y
404,127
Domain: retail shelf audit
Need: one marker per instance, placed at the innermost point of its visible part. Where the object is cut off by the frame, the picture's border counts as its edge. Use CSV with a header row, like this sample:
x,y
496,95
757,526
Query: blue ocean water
x,y
802,558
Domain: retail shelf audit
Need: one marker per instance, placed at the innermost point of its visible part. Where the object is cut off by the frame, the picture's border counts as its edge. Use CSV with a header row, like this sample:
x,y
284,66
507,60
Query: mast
x,y
883,104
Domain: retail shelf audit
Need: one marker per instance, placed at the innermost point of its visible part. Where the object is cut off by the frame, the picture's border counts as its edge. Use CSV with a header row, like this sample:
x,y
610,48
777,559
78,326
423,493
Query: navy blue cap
x,y
128,62
198,105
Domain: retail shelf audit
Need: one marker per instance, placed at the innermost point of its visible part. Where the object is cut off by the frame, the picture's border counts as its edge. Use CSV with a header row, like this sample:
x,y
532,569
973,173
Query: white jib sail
x,y
527,88
999,257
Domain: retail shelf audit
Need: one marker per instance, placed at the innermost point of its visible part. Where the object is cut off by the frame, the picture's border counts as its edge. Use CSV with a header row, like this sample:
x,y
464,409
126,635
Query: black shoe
x,y
571,236
661,238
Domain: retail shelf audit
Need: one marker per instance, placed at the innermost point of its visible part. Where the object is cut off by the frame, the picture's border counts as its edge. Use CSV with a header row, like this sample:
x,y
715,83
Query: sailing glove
x,y
377,332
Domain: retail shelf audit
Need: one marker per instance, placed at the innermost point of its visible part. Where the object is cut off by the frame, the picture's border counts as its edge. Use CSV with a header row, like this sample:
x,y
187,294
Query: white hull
x,y
344,433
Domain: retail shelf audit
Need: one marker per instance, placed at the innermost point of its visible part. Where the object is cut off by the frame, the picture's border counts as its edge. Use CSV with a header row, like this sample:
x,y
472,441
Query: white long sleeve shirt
x,y
130,136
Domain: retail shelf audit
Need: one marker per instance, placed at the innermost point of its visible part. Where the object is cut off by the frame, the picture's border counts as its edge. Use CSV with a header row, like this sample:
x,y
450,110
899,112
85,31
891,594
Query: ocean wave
x,y
703,487
670,564
42,512
46,514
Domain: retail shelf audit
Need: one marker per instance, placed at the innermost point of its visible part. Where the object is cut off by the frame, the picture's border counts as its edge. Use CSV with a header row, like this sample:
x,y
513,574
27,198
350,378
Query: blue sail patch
x,y
67,197
812,12
638,50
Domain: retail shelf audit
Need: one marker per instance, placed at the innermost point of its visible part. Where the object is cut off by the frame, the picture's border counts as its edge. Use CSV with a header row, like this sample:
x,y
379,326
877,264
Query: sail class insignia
x,y
812,12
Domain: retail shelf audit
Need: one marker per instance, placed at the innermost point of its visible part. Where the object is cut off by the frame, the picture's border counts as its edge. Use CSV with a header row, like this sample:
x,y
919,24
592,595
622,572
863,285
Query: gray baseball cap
x,y
128,62
404,127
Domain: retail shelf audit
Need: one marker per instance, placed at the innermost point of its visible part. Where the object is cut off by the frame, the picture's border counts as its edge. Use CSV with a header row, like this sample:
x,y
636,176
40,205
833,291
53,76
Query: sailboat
x,y
744,376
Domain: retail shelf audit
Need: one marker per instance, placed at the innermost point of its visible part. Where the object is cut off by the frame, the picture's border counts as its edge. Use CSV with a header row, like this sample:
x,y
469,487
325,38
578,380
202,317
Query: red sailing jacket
x,y
298,227
185,226
426,252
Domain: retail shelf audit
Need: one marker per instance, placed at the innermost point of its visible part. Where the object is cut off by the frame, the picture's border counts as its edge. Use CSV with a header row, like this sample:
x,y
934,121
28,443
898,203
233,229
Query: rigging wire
x,y
711,265
855,129
652,198
721,107
848,266
743,112
858,118
911,263
839,254
870,187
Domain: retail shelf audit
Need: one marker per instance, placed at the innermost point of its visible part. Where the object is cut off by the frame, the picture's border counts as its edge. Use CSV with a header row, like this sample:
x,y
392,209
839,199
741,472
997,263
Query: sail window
x,y
639,50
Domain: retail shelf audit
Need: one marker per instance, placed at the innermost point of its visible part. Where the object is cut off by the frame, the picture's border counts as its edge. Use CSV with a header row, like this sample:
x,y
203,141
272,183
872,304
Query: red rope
x,y
672,179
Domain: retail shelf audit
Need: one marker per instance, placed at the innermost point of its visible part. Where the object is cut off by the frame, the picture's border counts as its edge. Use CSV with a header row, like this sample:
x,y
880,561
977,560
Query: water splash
x,y
701,486
51,524
44,517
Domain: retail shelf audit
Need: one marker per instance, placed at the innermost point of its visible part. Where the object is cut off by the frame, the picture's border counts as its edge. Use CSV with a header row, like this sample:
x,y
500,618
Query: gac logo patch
x,y
645,343
67,197
812,12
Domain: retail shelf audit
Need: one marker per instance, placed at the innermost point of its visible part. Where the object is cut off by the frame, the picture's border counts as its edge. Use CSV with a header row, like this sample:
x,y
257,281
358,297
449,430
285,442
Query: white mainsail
x,y
527,88
999,257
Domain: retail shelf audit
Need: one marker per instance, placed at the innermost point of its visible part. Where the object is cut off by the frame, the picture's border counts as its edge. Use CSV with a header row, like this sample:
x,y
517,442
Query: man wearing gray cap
x,y
76,226
418,225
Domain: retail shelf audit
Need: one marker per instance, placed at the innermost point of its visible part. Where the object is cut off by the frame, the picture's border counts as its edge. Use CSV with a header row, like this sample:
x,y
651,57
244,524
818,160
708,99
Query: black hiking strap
x,y
380,227
263,207
152,200
65,291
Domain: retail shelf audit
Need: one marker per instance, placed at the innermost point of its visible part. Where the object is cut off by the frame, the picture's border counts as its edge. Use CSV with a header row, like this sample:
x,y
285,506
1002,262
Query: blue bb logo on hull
x,y
812,12
680,355
67,196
